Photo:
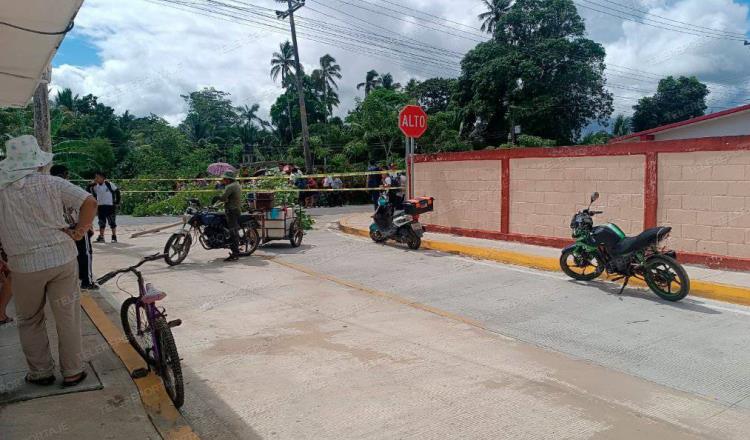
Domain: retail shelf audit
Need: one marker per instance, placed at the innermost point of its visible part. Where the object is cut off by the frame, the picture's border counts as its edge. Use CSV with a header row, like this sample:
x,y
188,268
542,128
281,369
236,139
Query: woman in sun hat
x,y
42,257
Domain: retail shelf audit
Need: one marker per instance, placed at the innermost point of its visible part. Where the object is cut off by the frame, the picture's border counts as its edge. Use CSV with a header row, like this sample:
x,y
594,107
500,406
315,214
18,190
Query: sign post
x,y
412,121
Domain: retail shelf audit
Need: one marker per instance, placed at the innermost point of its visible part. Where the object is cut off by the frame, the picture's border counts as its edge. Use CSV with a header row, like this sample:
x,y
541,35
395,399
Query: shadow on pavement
x,y
613,289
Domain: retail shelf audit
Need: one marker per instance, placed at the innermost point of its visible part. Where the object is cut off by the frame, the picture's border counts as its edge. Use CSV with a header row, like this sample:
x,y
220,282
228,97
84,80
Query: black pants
x,y
107,214
233,224
85,260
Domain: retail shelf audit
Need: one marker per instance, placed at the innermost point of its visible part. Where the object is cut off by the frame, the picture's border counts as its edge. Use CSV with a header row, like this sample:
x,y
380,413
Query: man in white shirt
x,y
42,255
108,197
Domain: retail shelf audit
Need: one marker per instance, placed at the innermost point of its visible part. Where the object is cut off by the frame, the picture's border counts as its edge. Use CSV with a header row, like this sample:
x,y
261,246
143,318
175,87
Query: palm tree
x,y
496,9
622,126
66,99
249,115
329,73
372,80
282,63
387,83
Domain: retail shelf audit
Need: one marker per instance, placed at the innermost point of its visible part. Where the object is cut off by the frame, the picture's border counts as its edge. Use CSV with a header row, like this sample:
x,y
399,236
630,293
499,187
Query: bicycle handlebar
x,y
107,277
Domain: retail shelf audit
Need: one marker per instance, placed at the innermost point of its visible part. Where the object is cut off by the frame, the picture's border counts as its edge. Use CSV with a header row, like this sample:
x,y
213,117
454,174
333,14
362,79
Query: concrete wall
x,y
468,191
705,197
546,192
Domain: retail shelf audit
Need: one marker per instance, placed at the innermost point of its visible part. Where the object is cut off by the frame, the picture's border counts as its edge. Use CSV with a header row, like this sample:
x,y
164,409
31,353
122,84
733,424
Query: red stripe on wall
x,y
505,196
651,191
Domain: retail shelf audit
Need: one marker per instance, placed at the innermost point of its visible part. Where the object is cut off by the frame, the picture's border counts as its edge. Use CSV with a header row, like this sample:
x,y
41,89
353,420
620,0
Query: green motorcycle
x,y
606,248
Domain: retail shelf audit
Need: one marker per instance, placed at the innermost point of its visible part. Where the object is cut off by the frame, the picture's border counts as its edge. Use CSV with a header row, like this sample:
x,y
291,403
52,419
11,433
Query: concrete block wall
x,y
546,192
705,197
700,187
468,192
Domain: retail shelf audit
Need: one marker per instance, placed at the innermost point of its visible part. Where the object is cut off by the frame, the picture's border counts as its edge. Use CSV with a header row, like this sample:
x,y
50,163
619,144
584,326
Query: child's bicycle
x,y
149,332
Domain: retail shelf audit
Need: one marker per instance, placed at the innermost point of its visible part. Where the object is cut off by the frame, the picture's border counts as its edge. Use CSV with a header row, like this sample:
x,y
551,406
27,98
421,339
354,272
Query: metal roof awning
x,y
30,33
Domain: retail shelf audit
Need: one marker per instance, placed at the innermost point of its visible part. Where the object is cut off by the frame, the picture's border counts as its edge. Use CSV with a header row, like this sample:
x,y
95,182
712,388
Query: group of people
x,y
46,223
389,177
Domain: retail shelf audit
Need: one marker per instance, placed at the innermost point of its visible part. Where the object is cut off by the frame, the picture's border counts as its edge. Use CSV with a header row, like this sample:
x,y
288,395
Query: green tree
x,y
387,82
211,117
374,121
435,94
372,81
496,9
622,126
282,63
675,100
539,72
329,72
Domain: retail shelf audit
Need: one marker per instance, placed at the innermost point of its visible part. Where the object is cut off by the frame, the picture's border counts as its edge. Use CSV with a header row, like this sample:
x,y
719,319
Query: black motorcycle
x,y
606,248
209,227
402,226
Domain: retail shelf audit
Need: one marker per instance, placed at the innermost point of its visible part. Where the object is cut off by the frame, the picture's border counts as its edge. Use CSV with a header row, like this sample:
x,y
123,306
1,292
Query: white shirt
x,y
103,195
31,218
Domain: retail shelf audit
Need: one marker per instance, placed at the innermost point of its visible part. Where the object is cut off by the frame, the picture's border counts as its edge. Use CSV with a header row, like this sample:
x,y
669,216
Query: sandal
x,y
7,320
75,382
44,381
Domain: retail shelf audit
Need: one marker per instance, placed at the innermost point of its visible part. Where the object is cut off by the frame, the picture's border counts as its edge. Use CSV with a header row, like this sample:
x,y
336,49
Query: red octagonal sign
x,y
412,121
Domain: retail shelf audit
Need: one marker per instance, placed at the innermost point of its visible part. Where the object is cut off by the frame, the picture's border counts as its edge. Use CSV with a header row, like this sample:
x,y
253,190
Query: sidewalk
x,y
722,285
106,405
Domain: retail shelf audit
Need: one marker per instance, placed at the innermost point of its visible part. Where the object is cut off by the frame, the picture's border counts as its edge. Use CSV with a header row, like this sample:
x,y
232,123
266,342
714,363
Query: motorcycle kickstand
x,y
624,285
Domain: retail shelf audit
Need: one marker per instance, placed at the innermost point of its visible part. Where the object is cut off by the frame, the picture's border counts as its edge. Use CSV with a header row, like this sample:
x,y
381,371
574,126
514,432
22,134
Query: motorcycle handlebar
x,y
596,212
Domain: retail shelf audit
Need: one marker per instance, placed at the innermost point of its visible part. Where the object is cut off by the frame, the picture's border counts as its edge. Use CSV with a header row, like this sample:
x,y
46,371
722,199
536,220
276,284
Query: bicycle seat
x,y
152,295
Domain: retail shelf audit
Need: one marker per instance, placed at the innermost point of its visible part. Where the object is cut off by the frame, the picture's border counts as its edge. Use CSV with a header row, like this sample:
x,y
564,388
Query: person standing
x,y
374,181
85,250
5,291
108,197
338,197
41,252
232,199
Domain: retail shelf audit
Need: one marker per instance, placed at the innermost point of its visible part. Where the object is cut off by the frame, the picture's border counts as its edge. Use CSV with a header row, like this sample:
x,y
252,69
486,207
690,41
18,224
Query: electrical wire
x,y
34,31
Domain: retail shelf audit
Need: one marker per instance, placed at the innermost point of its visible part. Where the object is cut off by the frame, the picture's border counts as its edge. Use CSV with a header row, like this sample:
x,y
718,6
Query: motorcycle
x,y
209,227
401,226
606,248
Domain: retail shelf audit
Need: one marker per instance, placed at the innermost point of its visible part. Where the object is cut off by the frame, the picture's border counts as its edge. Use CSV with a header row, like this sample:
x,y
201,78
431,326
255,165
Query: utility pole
x,y
294,6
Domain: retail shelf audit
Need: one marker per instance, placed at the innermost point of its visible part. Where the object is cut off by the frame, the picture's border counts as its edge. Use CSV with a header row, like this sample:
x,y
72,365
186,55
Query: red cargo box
x,y
419,205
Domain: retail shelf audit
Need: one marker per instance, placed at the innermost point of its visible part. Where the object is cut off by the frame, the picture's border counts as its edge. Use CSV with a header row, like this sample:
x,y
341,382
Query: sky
x,y
141,55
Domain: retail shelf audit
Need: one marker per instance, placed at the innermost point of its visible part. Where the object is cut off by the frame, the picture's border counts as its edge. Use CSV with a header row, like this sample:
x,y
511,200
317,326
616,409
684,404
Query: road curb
x,y
167,419
703,289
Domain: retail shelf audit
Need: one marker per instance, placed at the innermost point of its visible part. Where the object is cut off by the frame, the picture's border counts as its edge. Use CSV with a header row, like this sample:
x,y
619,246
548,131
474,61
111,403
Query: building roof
x,y
30,31
682,123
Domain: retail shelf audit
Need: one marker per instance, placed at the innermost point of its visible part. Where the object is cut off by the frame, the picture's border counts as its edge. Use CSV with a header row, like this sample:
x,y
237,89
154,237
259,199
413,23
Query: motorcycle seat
x,y
643,240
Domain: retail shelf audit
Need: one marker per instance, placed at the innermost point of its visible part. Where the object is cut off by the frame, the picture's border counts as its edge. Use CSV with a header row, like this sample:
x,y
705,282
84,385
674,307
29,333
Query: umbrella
x,y
219,168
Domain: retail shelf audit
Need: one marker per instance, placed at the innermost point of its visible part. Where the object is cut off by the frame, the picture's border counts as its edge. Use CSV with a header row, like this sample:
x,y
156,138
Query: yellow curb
x,y
165,417
703,289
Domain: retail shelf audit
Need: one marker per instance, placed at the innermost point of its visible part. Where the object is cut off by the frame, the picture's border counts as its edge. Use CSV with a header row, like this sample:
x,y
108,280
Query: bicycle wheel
x,y
169,366
135,324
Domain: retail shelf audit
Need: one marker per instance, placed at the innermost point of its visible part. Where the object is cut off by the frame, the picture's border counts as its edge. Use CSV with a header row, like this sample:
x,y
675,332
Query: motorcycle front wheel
x,y
580,267
666,278
177,248
377,236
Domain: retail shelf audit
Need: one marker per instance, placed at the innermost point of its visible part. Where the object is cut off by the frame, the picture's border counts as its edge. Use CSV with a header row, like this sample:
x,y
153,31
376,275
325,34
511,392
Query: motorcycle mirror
x,y
594,197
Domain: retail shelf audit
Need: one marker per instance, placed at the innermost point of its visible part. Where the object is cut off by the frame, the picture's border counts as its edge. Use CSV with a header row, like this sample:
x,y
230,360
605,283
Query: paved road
x,y
343,338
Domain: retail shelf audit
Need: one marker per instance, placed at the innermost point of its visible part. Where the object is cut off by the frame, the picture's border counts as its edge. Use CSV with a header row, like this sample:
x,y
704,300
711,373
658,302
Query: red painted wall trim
x,y
505,196
715,261
730,143
651,191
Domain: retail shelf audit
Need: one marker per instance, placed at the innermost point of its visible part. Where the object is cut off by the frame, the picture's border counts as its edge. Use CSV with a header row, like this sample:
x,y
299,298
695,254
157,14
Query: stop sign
x,y
412,121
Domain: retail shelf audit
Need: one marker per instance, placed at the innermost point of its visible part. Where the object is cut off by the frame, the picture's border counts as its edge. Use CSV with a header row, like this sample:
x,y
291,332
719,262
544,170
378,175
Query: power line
x,y
713,30
647,22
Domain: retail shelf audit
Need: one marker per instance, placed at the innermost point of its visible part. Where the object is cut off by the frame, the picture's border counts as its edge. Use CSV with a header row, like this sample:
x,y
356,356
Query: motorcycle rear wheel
x,y
413,241
377,236
569,265
666,278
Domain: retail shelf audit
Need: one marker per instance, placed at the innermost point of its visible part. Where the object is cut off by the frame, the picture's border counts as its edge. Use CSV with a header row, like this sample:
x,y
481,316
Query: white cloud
x,y
151,53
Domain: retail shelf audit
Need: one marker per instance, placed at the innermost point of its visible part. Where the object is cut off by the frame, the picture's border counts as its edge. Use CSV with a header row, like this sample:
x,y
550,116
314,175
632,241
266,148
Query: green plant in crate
x,y
284,194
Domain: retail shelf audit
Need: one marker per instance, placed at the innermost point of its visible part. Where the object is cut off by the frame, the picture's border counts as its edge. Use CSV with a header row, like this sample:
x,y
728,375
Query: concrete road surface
x,y
343,338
